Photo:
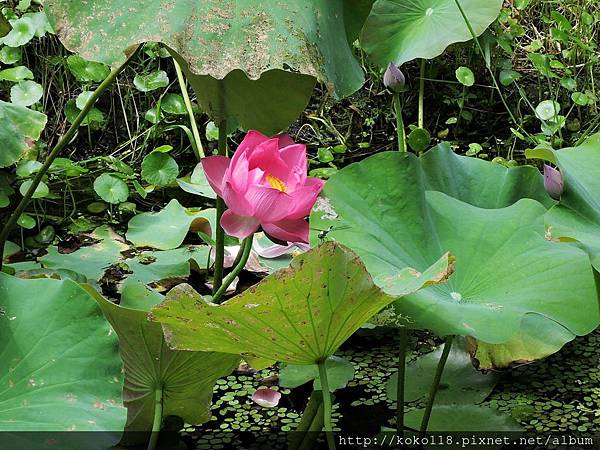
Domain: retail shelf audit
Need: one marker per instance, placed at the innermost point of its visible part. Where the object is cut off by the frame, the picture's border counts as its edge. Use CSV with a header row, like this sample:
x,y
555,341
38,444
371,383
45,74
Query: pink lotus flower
x,y
265,184
266,397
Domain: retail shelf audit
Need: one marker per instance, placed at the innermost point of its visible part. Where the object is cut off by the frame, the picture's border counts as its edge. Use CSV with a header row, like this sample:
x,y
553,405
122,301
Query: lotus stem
x,y
326,405
421,120
156,424
311,424
197,145
403,334
399,123
62,143
436,384
245,252
220,233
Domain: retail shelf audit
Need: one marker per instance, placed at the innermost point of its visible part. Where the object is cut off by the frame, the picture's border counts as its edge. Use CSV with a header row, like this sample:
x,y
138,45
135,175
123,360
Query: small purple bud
x,y
553,182
393,79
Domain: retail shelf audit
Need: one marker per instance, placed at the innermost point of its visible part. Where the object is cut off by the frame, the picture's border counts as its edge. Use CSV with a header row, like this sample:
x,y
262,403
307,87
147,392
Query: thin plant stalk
x,y
400,386
220,233
62,143
421,119
198,149
245,251
327,426
435,385
157,422
399,123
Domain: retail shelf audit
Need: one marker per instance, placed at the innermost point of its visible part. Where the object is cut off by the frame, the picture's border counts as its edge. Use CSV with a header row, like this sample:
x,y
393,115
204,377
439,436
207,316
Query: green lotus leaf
x,y
460,382
577,216
111,188
154,266
271,52
299,315
339,372
92,260
481,183
163,230
60,370
184,379
399,31
19,128
465,418
217,37
159,169
268,104
537,337
197,183
505,269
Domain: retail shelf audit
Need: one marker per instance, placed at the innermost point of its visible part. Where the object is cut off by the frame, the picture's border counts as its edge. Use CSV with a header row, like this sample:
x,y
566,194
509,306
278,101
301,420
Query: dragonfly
x,y
323,233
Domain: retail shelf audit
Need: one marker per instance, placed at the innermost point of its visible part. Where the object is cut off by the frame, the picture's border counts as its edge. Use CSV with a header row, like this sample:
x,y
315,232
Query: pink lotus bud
x,y
553,182
265,185
266,397
393,79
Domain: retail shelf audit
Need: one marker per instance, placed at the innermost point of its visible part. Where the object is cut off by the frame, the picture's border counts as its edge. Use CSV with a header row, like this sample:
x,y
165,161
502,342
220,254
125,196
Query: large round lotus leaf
x,y
577,216
19,128
505,269
60,368
481,183
216,37
186,378
460,382
92,260
163,230
402,30
300,315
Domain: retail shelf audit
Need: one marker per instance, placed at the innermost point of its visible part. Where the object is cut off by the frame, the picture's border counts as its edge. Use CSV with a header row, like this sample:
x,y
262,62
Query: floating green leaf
x,y
184,379
399,31
60,370
163,230
449,418
460,383
299,315
501,277
111,188
92,260
19,128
